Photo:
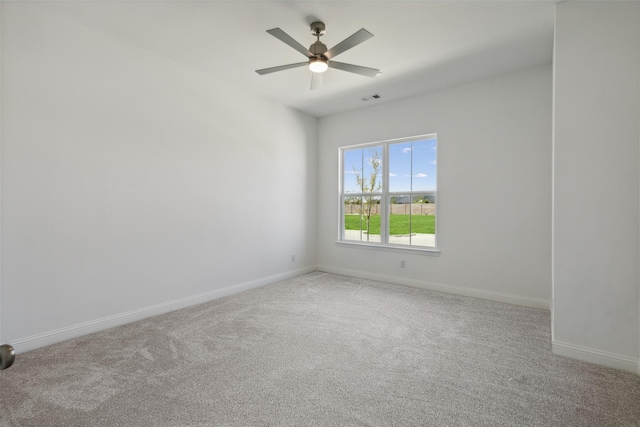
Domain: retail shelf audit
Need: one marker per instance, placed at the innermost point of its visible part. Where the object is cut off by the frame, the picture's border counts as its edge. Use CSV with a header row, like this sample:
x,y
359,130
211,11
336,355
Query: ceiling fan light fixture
x,y
318,65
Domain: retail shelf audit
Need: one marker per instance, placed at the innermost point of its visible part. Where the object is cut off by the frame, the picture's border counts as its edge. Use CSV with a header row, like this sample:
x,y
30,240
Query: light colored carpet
x,y
320,350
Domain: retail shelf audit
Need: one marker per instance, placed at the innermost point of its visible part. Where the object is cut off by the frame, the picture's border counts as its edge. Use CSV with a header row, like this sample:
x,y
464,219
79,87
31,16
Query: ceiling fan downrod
x,y
318,61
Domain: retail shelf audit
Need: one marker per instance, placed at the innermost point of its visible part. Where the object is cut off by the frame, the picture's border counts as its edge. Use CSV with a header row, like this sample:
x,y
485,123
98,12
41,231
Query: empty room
x,y
323,213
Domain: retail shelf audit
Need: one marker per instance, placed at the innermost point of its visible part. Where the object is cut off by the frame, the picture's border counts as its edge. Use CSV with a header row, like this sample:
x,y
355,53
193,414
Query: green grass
x,y
398,224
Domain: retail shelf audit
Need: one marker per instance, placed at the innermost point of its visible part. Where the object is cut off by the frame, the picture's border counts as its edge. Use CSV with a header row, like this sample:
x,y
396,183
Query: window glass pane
x,y
423,221
412,220
423,156
372,176
352,163
362,218
352,219
362,171
399,219
400,167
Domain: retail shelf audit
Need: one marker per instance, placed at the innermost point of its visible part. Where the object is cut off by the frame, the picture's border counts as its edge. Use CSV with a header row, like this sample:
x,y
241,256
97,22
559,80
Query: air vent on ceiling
x,y
369,98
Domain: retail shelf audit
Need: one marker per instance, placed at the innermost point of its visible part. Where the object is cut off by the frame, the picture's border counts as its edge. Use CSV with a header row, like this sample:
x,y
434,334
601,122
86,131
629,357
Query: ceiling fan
x,y
320,59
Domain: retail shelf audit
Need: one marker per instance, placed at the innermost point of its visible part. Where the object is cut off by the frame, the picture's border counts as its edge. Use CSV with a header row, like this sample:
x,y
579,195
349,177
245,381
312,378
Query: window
x,y
388,193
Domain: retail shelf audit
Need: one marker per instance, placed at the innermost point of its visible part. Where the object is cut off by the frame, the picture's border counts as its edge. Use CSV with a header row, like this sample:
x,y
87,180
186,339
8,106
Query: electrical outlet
x,y
402,264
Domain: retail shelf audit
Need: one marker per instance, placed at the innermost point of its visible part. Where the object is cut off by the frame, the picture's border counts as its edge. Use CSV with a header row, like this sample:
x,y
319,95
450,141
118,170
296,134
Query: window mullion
x,y
384,199
341,193
411,195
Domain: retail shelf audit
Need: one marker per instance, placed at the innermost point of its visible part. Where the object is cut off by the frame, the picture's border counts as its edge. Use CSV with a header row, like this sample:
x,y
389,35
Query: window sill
x,y
390,248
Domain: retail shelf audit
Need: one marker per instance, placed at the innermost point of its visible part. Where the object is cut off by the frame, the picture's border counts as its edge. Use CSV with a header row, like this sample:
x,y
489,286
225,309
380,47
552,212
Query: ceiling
x,y
420,46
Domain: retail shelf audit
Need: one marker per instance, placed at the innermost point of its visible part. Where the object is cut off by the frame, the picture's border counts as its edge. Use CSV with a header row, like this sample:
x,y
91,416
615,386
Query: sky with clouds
x,y
412,166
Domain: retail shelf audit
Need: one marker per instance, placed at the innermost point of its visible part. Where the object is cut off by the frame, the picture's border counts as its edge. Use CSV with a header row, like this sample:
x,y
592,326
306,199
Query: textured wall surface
x,y
494,151
117,167
596,277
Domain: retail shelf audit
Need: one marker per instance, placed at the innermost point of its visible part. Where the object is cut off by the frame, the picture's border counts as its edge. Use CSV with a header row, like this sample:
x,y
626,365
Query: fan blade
x,y
286,38
358,37
363,71
316,81
281,68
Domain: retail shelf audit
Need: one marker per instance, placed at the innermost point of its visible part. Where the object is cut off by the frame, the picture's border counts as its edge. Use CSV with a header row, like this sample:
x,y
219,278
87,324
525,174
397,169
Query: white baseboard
x,y
598,357
467,292
52,337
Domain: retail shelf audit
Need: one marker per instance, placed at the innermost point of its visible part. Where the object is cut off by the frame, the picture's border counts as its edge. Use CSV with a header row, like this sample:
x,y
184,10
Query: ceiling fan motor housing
x,y
318,48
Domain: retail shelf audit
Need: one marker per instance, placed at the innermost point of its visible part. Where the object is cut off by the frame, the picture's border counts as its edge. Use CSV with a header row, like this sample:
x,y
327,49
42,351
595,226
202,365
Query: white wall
x,y
1,339
125,182
596,138
494,189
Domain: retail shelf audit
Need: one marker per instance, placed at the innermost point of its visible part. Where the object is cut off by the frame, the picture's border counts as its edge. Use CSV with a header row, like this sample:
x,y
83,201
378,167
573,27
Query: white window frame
x,y
385,195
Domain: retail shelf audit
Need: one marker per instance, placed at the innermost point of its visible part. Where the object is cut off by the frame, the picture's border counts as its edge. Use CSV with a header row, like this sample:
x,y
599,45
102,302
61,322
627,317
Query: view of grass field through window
x,y
403,174
398,224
